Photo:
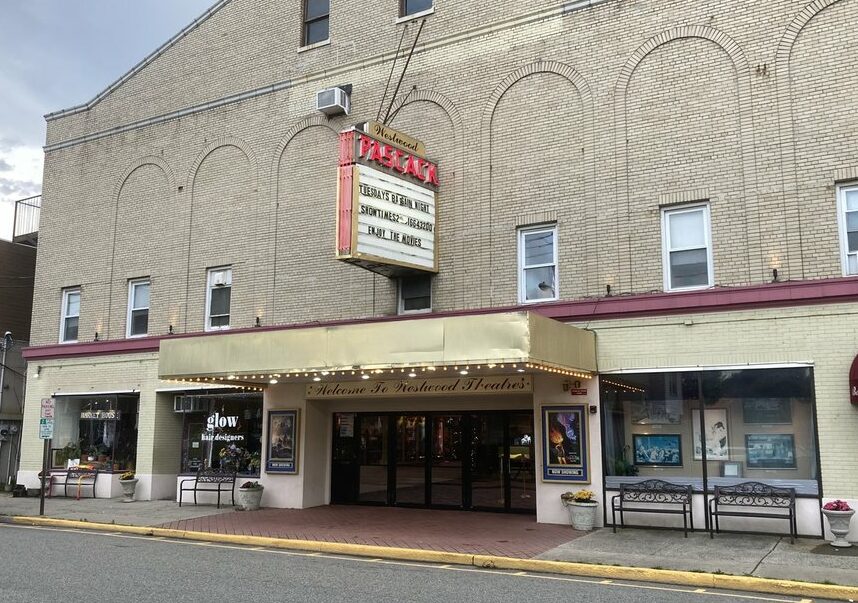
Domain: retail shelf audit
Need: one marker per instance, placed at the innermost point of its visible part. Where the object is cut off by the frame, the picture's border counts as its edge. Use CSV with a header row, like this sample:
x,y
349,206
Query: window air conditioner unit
x,y
188,404
219,279
333,101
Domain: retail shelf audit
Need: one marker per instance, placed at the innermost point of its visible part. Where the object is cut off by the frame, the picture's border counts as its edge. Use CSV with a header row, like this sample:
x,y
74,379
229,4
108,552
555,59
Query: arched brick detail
x,y
454,200
431,96
580,84
225,141
746,137
161,164
312,121
783,83
308,122
146,160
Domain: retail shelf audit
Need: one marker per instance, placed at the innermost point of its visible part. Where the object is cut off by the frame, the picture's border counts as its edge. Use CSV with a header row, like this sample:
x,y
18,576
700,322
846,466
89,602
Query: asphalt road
x,y
45,564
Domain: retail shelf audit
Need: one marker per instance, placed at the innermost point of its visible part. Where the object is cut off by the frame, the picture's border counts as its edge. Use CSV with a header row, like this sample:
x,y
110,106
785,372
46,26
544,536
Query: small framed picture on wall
x,y
565,445
283,433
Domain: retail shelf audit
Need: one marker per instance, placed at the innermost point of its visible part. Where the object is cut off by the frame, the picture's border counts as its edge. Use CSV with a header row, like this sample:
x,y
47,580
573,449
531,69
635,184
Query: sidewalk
x,y
487,534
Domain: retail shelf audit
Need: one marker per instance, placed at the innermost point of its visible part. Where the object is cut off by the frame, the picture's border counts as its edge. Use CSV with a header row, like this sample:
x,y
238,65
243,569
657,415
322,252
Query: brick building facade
x,y
599,118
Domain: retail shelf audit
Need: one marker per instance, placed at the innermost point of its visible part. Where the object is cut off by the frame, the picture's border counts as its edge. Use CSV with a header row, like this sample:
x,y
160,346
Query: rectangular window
x,y
415,294
412,7
316,19
222,431
70,316
687,248
847,202
218,297
138,308
711,427
100,431
537,263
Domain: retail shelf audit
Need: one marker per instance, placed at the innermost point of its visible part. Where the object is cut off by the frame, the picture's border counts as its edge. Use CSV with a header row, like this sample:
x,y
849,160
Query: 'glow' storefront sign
x,y
386,203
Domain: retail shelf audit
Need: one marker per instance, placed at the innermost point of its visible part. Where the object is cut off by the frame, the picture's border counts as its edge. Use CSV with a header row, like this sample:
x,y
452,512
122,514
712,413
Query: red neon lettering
x,y
432,175
397,161
365,145
388,155
375,152
412,167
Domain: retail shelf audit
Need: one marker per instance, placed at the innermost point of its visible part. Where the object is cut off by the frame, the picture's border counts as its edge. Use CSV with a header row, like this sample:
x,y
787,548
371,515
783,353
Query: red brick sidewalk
x,y
453,531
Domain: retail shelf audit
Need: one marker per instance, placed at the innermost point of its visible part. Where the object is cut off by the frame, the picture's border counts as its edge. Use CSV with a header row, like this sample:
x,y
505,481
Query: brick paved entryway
x,y
507,535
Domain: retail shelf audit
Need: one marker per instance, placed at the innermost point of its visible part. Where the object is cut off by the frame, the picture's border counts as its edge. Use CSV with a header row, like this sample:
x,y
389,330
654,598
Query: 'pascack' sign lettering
x,y
389,156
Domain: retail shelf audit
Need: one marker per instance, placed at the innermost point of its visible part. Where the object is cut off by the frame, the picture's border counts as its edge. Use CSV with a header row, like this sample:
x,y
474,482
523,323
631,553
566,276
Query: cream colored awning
x,y
495,342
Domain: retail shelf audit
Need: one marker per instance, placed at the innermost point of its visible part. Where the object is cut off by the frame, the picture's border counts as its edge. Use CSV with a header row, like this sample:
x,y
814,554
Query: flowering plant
x,y
232,456
837,505
579,496
126,476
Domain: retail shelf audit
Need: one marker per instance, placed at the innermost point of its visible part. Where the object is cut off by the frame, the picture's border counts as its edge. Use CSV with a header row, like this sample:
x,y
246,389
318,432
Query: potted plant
x,y
839,515
582,508
249,496
128,481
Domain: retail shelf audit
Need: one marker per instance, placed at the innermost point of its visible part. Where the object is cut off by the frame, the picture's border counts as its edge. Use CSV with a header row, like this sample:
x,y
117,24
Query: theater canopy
x,y
501,342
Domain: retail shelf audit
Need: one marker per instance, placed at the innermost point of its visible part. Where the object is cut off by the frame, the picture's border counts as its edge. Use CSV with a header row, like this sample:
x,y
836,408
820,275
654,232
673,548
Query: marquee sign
x,y
520,384
386,202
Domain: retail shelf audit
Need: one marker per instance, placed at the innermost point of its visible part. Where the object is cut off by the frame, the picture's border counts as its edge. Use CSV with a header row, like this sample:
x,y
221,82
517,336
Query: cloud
x,y
5,166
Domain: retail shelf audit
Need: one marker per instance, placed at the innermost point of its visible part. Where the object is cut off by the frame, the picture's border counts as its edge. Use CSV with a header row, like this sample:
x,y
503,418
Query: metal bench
x,y
754,495
209,480
643,496
82,477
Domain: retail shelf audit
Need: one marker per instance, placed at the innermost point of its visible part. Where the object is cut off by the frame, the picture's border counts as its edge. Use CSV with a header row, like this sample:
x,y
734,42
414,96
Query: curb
x,y
636,574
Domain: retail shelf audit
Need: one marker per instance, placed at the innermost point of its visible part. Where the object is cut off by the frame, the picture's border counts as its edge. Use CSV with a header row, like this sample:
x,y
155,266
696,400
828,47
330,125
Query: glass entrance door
x,y
478,460
487,461
411,460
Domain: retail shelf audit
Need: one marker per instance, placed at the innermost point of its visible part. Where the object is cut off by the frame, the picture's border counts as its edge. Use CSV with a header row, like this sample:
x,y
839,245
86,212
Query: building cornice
x,y
716,299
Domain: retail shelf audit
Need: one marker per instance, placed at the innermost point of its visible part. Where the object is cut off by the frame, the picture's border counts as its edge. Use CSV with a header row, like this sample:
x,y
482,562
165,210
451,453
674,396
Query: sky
x,y
55,54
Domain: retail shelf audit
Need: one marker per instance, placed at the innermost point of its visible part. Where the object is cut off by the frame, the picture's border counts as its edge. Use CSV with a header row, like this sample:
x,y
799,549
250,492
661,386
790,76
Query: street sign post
x,y
46,433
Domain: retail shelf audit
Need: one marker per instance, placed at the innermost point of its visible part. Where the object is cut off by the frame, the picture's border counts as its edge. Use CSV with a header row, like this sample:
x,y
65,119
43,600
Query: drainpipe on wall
x,y
7,342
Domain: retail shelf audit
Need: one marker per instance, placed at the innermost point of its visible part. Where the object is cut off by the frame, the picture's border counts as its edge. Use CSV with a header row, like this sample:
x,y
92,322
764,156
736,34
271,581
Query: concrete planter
x,y
249,498
839,521
582,514
128,487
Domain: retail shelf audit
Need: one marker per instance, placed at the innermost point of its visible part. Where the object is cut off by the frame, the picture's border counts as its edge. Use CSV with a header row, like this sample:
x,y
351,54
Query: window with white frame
x,y
70,315
687,247
415,293
415,7
218,294
537,263
847,202
138,308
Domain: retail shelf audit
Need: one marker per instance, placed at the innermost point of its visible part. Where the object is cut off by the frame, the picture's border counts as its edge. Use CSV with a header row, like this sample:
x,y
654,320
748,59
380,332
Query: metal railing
x,y
27,214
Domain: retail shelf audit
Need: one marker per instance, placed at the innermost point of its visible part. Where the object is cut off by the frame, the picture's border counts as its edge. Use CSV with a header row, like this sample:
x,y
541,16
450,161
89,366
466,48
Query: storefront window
x,y
711,427
223,431
100,431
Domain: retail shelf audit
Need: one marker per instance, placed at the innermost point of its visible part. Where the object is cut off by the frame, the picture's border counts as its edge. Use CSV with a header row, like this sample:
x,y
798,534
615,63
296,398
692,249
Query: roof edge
x,y
139,66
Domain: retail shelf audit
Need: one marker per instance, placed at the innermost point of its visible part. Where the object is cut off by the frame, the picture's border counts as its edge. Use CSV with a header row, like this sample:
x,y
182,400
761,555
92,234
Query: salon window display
x,y
97,431
225,434
711,427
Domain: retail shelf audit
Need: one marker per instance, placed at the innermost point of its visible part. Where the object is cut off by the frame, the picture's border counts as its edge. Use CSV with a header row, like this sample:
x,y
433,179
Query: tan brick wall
x,y
594,119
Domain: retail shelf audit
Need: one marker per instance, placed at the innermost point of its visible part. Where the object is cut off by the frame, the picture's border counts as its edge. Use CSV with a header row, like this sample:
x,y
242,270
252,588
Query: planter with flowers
x,y
582,509
839,515
128,481
249,496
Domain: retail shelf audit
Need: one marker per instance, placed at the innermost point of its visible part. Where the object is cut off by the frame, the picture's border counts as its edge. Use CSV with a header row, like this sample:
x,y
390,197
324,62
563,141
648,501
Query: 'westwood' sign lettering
x,y
521,384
